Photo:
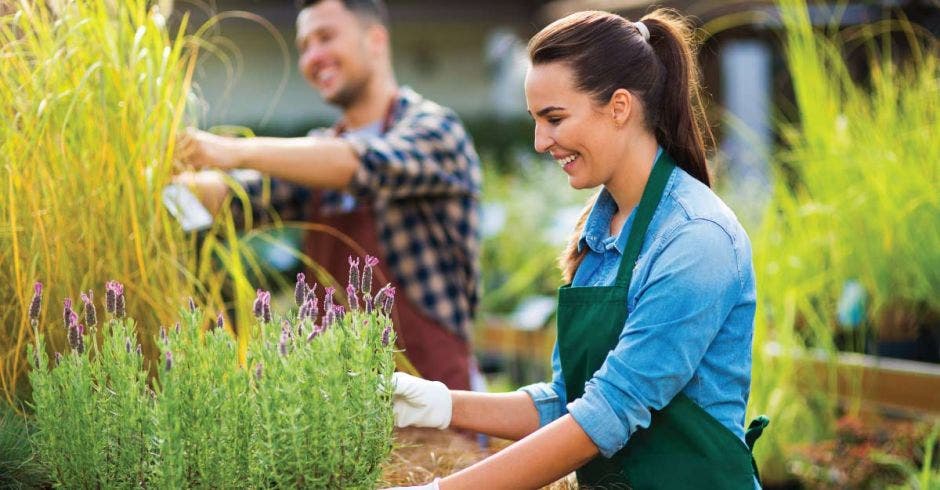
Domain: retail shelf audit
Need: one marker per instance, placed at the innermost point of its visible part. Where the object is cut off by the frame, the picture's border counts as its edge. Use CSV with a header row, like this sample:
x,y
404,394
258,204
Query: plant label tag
x,y
186,208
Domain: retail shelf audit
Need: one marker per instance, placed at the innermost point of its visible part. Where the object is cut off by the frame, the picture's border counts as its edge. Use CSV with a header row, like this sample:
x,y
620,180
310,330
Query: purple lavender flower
x,y
367,300
259,368
300,289
177,328
310,310
266,310
311,292
389,300
58,358
110,297
282,344
91,316
328,319
35,305
338,313
353,298
192,305
353,272
139,351
380,294
168,365
262,306
119,305
76,342
386,332
328,298
163,337
258,306
366,285
265,298
67,312
127,345
220,322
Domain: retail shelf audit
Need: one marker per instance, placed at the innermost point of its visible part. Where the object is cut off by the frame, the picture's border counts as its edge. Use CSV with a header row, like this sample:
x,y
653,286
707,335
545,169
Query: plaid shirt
x,y
423,178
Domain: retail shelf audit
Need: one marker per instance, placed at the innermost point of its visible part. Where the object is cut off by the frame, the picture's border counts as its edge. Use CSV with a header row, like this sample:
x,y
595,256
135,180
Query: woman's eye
x,y
554,121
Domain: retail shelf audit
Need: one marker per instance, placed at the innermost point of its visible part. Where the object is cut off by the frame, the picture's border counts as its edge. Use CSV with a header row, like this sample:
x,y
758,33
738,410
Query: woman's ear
x,y
621,106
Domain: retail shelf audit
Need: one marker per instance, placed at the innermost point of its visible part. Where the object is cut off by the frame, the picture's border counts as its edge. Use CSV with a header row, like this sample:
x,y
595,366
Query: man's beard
x,y
347,96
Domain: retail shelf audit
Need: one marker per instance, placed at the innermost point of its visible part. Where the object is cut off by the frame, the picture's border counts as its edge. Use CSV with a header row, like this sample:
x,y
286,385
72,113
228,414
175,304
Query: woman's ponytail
x,y
678,115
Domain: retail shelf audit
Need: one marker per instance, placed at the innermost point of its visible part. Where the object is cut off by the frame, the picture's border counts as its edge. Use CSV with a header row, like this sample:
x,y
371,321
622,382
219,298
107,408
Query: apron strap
x,y
652,194
754,431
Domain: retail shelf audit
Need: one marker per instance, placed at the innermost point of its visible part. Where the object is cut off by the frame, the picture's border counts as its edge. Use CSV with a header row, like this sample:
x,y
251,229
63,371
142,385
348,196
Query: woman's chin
x,y
579,183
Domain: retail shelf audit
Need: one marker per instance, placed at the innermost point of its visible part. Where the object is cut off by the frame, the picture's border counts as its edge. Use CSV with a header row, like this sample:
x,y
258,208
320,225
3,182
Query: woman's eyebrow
x,y
548,109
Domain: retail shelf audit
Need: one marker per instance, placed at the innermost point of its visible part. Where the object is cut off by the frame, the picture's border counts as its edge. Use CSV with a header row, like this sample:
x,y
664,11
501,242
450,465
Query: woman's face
x,y
578,133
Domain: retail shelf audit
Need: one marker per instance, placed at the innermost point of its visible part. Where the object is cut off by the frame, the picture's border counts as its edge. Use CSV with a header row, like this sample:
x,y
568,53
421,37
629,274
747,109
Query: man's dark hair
x,y
372,10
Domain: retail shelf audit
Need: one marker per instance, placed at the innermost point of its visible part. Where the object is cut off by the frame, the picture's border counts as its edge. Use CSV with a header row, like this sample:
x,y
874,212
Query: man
x,y
398,174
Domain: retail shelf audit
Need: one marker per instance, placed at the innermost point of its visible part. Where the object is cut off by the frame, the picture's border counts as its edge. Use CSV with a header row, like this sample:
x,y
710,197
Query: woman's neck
x,y
626,185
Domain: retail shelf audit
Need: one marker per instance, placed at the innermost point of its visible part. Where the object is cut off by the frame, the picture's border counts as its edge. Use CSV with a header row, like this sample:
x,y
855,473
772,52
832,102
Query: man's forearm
x,y
318,162
537,460
506,415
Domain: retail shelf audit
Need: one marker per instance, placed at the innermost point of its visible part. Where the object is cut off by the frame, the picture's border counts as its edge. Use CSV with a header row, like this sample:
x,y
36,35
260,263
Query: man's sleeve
x,y
428,154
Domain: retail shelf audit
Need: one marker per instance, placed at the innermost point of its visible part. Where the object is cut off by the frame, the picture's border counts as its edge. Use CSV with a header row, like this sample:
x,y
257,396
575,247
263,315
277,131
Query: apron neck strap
x,y
652,194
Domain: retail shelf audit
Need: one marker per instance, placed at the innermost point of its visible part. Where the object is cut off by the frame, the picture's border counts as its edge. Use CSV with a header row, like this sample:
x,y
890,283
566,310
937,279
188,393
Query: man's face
x,y
334,52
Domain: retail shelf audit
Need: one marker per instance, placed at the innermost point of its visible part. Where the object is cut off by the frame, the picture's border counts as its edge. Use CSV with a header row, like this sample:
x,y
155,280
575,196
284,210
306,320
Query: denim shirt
x,y
691,303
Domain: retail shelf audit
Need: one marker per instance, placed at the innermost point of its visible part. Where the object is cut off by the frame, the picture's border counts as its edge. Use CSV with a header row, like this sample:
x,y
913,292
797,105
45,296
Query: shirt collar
x,y
596,232
404,98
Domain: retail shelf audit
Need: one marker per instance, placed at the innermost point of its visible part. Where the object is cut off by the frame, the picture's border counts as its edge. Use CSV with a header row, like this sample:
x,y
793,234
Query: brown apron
x,y
434,351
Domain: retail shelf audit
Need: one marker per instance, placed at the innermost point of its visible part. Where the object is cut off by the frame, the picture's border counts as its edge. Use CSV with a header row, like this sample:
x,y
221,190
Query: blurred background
x,y
826,118
823,114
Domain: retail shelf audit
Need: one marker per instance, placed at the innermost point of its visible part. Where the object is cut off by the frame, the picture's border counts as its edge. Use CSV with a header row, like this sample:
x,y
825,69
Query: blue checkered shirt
x,y
423,178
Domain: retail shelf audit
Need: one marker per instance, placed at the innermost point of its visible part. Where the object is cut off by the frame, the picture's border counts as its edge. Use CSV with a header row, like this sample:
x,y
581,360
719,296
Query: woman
x,y
651,370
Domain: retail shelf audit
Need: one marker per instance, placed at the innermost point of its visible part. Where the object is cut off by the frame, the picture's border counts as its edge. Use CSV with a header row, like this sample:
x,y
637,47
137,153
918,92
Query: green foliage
x,y
854,199
312,409
18,465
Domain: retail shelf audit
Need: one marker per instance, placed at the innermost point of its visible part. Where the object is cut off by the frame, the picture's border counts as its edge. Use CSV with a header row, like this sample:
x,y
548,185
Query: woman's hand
x,y
421,403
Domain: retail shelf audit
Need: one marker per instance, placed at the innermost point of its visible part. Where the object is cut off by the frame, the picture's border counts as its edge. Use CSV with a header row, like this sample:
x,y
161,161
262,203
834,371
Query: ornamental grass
x,y
854,207
92,94
312,409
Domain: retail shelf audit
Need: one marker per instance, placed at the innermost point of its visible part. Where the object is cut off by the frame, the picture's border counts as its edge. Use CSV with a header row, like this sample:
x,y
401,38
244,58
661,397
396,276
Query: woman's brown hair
x,y
607,52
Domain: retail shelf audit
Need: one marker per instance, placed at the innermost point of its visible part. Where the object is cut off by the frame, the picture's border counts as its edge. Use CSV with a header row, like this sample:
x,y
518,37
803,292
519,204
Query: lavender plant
x,y
311,408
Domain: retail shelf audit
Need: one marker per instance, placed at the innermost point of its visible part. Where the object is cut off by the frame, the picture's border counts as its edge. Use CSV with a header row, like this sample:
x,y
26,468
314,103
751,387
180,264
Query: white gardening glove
x,y
421,403
430,486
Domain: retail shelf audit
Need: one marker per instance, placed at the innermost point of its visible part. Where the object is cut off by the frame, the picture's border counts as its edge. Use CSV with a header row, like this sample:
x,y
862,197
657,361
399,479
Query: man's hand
x,y
208,186
202,149
421,403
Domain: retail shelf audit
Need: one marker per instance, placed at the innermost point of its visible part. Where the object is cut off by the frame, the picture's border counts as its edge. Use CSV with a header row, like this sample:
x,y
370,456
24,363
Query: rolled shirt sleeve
x,y
549,398
681,305
423,155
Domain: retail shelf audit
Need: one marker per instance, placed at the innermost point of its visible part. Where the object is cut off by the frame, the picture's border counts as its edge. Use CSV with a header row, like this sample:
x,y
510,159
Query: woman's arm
x,y
506,415
537,460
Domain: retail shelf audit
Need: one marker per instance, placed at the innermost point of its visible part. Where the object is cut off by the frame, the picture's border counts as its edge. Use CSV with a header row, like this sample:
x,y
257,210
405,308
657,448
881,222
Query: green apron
x,y
684,447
